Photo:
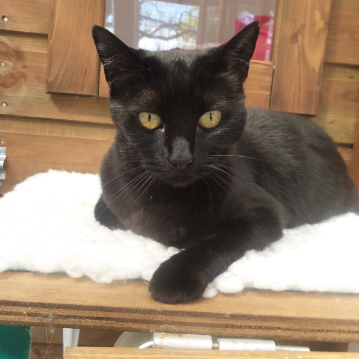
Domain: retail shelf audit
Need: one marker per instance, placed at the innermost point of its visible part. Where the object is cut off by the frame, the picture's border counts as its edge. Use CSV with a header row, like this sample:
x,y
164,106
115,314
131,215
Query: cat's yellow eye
x,y
210,119
149,120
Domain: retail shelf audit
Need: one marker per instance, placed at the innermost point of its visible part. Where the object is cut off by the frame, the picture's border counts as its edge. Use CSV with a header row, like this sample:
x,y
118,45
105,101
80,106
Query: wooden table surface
x,y
58,300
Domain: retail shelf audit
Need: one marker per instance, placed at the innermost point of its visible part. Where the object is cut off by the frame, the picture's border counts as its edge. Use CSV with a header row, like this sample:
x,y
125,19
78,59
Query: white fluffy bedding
x,y
47,225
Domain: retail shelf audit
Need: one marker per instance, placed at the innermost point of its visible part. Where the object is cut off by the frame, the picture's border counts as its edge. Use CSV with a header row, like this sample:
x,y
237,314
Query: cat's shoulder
x,y
269,123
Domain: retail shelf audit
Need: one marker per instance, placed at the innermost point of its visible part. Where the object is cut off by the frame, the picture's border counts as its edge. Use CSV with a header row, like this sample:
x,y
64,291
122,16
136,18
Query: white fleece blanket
x,y
47,225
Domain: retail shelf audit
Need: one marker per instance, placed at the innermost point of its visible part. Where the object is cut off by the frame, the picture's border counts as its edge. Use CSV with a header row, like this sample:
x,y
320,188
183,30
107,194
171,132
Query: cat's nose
x,y
181,161
181,155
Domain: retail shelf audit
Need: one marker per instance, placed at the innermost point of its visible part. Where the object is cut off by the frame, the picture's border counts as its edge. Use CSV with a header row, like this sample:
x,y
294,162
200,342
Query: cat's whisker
x,y
122,174
118,192
280,186
204,180
141,186
278,169
210,179
233,169
247,206
137,185
234,190
130,183
223,171
150,182
236,179
218,182
240,156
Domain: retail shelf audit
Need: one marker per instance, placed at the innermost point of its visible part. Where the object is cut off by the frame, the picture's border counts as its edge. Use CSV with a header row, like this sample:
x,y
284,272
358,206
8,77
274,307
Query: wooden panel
x,y
88,337
37,126
346,152
98,337
46,335
29,154
23,85
26,15
73,66
316,346
37,299
46,351
118,353
354,167
343,33
338,104
298,53
108,338
257,87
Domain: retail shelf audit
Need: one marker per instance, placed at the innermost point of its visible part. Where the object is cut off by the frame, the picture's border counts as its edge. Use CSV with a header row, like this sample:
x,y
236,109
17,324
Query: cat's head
x,y
176,111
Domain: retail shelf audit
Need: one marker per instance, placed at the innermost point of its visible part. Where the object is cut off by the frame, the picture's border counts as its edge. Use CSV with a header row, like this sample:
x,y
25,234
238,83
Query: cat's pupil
x,y
210,116
149,117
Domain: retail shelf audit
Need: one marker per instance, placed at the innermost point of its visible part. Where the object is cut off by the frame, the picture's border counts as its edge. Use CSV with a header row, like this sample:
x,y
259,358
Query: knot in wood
x,y
295,37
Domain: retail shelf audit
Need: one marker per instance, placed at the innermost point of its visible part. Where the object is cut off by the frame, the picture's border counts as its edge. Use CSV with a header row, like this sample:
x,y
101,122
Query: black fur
x,y
254,174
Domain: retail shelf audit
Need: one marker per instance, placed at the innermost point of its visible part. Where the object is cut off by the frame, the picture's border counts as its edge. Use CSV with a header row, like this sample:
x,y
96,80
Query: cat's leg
x,y
106,217
185,276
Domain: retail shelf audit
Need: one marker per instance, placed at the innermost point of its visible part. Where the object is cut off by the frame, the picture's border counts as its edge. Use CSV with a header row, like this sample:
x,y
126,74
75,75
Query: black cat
x,y
192,167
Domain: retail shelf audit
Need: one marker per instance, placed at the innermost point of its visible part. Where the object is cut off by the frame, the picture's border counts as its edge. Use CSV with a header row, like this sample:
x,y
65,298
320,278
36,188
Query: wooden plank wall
x,y
338,106
71,49
343,33
31,112
26,16
300,34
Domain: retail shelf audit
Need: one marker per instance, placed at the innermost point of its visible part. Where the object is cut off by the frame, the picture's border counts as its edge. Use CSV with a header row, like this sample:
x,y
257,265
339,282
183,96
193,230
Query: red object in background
x,y
264,42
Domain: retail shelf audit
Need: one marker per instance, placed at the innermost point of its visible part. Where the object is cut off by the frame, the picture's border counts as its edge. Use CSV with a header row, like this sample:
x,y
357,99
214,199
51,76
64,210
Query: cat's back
x,y
281,126
298,163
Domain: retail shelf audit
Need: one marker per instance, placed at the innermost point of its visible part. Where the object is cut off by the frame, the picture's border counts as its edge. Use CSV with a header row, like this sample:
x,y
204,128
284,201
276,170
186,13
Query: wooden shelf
x,y
58,300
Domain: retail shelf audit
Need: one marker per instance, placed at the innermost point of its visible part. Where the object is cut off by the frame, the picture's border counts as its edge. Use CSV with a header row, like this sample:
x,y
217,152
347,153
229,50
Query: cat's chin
x,y
180,181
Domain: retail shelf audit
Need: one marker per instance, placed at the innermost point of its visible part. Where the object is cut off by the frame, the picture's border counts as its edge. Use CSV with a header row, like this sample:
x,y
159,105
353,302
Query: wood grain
x,y
23,85
258,85
26,16
46,351
98,337
46,335
58,128
316,346
29,154
73,66
114,353
298,54
36,299
346,152
88,337
354,166
338,104
343,33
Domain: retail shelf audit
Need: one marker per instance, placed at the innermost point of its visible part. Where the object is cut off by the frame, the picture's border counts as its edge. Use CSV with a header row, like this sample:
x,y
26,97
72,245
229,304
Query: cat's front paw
x,y
173,284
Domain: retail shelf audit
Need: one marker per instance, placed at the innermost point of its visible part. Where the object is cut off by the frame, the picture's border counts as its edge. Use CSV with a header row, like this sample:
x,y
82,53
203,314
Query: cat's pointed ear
x,y
115,55
238,51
